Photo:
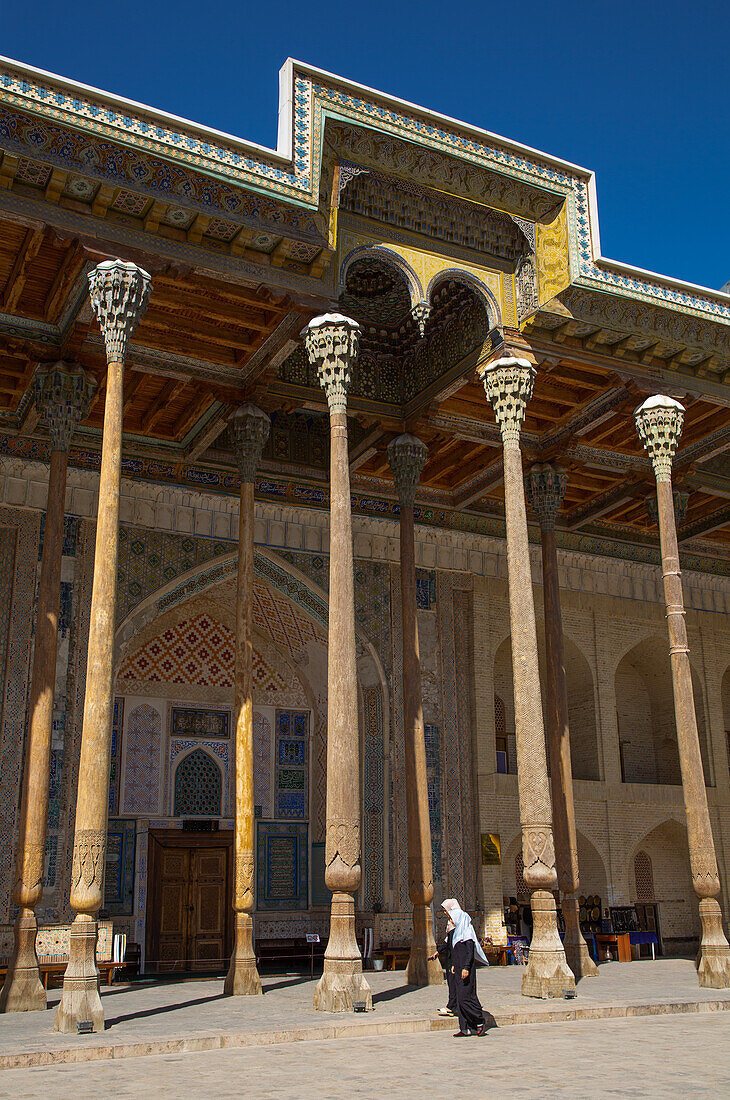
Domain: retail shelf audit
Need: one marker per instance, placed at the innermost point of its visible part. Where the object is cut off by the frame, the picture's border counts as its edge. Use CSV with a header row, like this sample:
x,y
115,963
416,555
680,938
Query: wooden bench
x,y
52,947
395,955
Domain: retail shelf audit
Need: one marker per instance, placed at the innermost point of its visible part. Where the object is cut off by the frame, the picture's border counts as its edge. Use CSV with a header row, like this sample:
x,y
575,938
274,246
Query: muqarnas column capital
x,y
251,427
63,393
119,294
545,486
331,342
407,456
659,422
508,385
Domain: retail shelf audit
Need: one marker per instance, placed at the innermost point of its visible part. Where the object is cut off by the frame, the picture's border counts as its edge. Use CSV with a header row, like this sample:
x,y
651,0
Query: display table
x,y
638,938
621,943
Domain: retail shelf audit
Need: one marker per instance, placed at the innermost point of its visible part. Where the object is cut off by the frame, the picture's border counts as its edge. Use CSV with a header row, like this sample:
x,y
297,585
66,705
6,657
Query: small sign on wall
x,y
491,850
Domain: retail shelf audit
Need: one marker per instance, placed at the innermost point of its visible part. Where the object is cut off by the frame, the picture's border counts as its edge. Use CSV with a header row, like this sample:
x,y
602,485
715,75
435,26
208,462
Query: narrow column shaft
x,y
561,772
508,385
80,999
342,980
243,977
23,989
659,422
713,959
119,293
420,970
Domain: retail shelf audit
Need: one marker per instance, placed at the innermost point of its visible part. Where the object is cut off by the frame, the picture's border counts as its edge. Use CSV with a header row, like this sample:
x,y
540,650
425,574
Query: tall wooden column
x,y
407,457
659,423
62,395
508,385
119,292
331,342
545,486
251,430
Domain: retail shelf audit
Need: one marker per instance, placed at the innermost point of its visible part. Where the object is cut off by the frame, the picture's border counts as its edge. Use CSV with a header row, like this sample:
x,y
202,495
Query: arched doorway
x,y
645,714
660,885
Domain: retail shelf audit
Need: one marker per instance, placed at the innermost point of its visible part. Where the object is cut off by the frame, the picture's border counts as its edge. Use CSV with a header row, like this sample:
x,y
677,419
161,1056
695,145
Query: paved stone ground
x,y
194,1015
657,1057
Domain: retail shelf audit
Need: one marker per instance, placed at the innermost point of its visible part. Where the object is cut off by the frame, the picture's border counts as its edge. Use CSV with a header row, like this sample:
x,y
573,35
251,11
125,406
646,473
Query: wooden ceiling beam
x,y
70,269
19,273
169,393
134,382
705,525
210,433
212,334
191,415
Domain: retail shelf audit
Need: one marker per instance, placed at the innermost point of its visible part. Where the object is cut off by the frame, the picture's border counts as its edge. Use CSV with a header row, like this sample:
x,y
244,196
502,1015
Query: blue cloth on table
x,y
643,937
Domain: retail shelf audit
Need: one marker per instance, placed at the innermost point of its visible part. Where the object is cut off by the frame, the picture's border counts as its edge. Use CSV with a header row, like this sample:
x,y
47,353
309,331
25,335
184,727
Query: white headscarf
x,y
463,928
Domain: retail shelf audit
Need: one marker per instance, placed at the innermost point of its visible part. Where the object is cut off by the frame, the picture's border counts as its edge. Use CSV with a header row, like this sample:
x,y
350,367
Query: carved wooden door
x,y
207,909
174,887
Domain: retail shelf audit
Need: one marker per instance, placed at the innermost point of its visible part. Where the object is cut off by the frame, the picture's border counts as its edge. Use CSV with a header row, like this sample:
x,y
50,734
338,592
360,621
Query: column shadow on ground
x,y
391,994
161,1009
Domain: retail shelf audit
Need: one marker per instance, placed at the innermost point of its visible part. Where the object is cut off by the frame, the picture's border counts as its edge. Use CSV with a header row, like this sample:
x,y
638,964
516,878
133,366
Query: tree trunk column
x,y
407,456
62,395
508,385
546,489
119,293
331,342
659,424
251,430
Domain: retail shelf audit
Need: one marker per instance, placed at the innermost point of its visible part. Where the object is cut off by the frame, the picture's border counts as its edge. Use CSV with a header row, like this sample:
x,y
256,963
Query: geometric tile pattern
x,y
292,764
150,559
115,771
199,651
644,875
373,840
198,785
262,764
142,761
433,772
217,750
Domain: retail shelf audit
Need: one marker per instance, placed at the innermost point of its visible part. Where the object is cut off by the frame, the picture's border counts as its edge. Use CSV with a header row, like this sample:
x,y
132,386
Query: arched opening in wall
x,y
584,749
660,884
584,752
198,786
648,747
592,871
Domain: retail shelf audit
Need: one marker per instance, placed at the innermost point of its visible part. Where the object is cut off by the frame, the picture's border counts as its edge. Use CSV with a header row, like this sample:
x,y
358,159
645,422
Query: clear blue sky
x,y
638,91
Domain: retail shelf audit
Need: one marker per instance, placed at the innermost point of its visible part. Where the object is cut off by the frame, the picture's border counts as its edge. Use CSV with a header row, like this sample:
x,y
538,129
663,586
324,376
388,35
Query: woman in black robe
x,y
466,951
445,951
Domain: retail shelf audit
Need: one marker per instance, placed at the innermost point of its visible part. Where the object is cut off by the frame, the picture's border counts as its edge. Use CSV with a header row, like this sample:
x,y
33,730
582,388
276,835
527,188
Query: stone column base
x,y
23,989
80,1000
342,981
547,973
243,978
421,970
576,950
713,960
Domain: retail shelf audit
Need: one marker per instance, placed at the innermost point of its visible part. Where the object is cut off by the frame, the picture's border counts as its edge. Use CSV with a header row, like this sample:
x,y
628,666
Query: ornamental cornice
x,y
308,97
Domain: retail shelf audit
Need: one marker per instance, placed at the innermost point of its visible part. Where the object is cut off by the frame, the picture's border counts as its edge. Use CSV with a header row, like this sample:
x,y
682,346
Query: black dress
x,y
450,978
471,1015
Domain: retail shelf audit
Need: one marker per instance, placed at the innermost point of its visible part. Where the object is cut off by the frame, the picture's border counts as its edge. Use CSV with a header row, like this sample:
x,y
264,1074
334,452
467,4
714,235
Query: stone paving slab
x,y
662,1057
156,1018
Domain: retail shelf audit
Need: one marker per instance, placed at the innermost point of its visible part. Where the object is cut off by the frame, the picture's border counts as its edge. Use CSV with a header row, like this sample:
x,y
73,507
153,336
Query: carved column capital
x,y
63,393
659,423
407,456
545,487
251,428
331,343
508,385
420,314
119,294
